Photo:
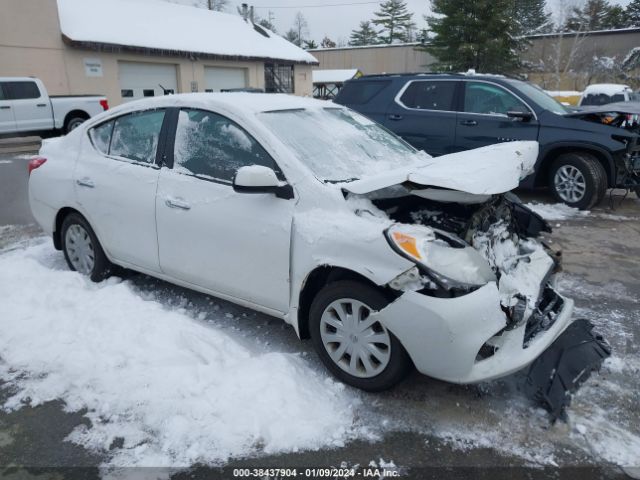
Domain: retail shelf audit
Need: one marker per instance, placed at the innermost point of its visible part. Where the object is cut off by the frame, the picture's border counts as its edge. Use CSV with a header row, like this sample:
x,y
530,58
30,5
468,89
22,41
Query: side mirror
x,y
522,116
259,179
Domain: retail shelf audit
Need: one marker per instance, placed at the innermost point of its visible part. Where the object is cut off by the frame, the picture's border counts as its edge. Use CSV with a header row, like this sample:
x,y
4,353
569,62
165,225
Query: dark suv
x,y
582,153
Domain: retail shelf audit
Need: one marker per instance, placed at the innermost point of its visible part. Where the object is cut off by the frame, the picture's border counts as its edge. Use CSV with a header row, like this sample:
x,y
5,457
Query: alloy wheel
x,y
570,184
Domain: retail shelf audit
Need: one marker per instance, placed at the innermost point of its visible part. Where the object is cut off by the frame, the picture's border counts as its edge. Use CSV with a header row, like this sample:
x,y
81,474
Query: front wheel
x,y
352,344
578,179
81,248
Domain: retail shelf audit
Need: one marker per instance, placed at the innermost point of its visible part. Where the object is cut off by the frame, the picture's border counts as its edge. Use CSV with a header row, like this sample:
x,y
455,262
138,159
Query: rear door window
x,y
211,146
429,95
22,90
135,136
490,99
358,92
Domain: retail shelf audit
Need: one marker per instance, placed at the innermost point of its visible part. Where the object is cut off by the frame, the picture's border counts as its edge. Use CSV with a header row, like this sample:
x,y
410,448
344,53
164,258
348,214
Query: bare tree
x,y
301,27
217,5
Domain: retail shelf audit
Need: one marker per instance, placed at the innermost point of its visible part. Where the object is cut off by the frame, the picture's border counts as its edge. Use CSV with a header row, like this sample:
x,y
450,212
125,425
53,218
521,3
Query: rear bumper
x,y
443,337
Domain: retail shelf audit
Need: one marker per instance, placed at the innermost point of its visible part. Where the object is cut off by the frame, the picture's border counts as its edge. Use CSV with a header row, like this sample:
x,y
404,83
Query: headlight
x,y
420,244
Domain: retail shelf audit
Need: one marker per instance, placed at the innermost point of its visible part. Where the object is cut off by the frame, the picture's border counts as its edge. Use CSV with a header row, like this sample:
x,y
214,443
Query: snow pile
x,y
557,211
176,391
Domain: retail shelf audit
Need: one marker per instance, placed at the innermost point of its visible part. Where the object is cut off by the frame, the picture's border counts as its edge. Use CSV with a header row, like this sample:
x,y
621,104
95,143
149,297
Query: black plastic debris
x,y
560,370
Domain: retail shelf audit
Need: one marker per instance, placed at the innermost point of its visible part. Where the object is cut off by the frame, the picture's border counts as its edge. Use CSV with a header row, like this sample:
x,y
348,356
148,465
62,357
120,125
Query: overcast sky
x,y
338,21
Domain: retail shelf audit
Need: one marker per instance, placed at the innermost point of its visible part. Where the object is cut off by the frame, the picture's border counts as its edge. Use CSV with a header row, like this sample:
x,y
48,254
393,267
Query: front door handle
x,y
395,117
469,123
86,182
5,107
177,203
42,105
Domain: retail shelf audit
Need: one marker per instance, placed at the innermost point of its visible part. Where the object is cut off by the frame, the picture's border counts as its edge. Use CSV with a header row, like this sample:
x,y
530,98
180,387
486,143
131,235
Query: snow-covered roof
x,y
160,25
334,76
606,89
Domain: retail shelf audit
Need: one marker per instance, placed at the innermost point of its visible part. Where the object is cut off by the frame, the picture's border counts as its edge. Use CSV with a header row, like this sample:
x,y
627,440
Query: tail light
x,y
36,162
104,104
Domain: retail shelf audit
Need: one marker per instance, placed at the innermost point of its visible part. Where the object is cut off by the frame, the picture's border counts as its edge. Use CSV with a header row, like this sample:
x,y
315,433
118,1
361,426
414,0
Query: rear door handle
x,y
395,117
86,182
177,203
5,107
469,123
42,105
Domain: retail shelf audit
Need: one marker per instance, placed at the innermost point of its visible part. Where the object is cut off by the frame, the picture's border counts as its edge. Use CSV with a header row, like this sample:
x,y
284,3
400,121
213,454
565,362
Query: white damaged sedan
x,y
307,211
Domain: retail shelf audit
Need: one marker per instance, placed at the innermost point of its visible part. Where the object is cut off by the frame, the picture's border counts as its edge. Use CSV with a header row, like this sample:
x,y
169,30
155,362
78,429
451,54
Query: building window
x,y
278,78
126,93
149,93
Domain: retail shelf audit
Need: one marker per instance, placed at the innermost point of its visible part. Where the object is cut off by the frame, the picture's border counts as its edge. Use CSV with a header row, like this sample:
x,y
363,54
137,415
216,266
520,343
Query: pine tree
x,y
395,19
479,35
365,35
593,16
310,44
633,13
292,36
615,18
532,16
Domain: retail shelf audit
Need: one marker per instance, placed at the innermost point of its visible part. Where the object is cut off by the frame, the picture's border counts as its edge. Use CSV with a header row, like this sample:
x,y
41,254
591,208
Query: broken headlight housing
x,y
448,264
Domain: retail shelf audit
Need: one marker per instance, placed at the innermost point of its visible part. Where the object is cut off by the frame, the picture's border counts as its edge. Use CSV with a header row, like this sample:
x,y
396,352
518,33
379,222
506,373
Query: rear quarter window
x,y
358,92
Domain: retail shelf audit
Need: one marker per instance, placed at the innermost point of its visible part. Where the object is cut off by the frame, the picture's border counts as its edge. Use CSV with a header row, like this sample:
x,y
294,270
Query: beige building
x,y
401,58
569,61
129,49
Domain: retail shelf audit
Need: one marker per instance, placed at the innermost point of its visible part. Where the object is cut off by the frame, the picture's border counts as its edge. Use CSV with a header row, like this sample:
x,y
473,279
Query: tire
x,y
73,123
578,180
387,367
79,242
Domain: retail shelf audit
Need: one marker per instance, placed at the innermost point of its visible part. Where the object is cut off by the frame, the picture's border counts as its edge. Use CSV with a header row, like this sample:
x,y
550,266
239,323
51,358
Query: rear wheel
x,y
73,123
81,248
355,347
578,179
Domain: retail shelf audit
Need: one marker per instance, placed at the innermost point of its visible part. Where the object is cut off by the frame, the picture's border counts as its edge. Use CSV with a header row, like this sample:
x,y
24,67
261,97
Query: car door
x,y
7,121
484,121
423,113
31,108
116,178
235,244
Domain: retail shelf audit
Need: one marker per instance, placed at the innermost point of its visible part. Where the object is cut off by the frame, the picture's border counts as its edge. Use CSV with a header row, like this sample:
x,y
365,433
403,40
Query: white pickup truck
x,y
25,107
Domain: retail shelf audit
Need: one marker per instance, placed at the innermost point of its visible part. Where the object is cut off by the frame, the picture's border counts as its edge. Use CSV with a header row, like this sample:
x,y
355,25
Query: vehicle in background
x,y
569,98
375,251
26,108
604,93
580,157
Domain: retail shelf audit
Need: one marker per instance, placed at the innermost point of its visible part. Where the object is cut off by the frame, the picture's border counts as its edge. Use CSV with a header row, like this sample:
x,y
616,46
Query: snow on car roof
x,y
165,26
238,101
606,88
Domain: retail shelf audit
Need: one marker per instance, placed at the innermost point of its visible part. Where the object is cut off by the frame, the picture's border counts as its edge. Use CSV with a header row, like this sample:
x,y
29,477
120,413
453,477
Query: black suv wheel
x,y
578,179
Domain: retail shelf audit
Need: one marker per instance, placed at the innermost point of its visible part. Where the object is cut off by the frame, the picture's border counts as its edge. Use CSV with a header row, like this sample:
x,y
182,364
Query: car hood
x,y
483,171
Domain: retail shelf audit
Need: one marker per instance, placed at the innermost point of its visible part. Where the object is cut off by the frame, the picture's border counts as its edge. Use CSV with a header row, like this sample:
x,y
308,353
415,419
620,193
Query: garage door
x,y
139,80
222,78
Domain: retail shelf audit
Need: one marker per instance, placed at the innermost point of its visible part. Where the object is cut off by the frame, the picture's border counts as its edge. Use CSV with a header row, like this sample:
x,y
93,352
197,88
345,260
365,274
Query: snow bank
x,y
176,390
556,211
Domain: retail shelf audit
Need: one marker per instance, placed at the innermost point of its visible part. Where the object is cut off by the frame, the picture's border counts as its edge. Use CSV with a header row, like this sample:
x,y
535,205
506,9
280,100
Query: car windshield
x,y
542,98
338,144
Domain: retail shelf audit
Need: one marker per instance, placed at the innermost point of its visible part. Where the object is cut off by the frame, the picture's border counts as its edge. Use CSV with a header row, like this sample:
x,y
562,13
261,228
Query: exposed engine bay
x,y
466,241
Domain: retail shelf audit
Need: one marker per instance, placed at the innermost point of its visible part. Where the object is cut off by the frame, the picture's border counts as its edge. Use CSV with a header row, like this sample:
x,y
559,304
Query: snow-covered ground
x,y
177,390
173,378
556,211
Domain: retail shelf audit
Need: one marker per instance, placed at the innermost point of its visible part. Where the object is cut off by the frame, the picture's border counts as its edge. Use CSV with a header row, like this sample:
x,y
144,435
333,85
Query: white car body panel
x,y
258,250
482,171
244,239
